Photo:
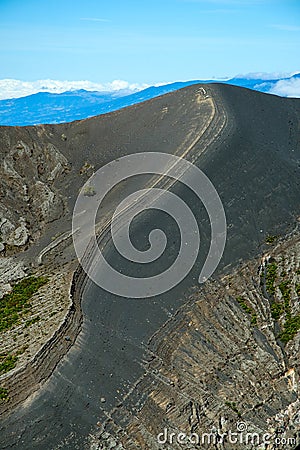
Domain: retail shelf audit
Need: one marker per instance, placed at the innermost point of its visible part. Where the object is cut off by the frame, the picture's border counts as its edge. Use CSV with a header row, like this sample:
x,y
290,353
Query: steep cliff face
x,y
29,195
228,362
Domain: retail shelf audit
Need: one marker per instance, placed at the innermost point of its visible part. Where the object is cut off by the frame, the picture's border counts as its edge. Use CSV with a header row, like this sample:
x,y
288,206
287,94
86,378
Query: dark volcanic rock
x,y
209,362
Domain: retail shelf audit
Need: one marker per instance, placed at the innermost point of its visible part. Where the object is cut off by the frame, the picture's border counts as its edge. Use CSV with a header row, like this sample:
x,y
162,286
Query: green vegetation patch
x,y
16,303
277,310
7,362
291,328
233,407
270,239
254,319
247,309
285,290
291,324
271,275
3,394
30,322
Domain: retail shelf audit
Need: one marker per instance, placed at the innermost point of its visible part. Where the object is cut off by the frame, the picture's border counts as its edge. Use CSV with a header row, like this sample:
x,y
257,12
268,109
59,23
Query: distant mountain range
x,y
45,107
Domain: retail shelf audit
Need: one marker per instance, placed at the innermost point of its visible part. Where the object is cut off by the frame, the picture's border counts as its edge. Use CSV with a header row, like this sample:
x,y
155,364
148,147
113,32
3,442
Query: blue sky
x,y
147,41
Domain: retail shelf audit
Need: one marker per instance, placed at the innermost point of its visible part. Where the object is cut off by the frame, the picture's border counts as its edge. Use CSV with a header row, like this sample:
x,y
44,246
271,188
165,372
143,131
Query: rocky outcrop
x,y
29,198
13,235
10,271
219,366
25,380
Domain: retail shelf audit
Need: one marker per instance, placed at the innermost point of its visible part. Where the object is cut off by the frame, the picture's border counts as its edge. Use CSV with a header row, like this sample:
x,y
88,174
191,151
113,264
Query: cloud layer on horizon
x,y
287,88
264,75
10,88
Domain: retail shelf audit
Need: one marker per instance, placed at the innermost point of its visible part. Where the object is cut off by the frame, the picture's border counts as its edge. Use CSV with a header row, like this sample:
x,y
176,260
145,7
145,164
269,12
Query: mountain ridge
x,y
46,107
253,162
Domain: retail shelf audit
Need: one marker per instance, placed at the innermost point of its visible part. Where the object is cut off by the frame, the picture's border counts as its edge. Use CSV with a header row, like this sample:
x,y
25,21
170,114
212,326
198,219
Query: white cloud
x,y
10,88
287,88
264,75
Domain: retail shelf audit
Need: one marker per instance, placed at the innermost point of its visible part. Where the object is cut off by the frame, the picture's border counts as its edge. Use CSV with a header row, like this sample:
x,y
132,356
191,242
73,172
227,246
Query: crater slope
x,y
223,337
